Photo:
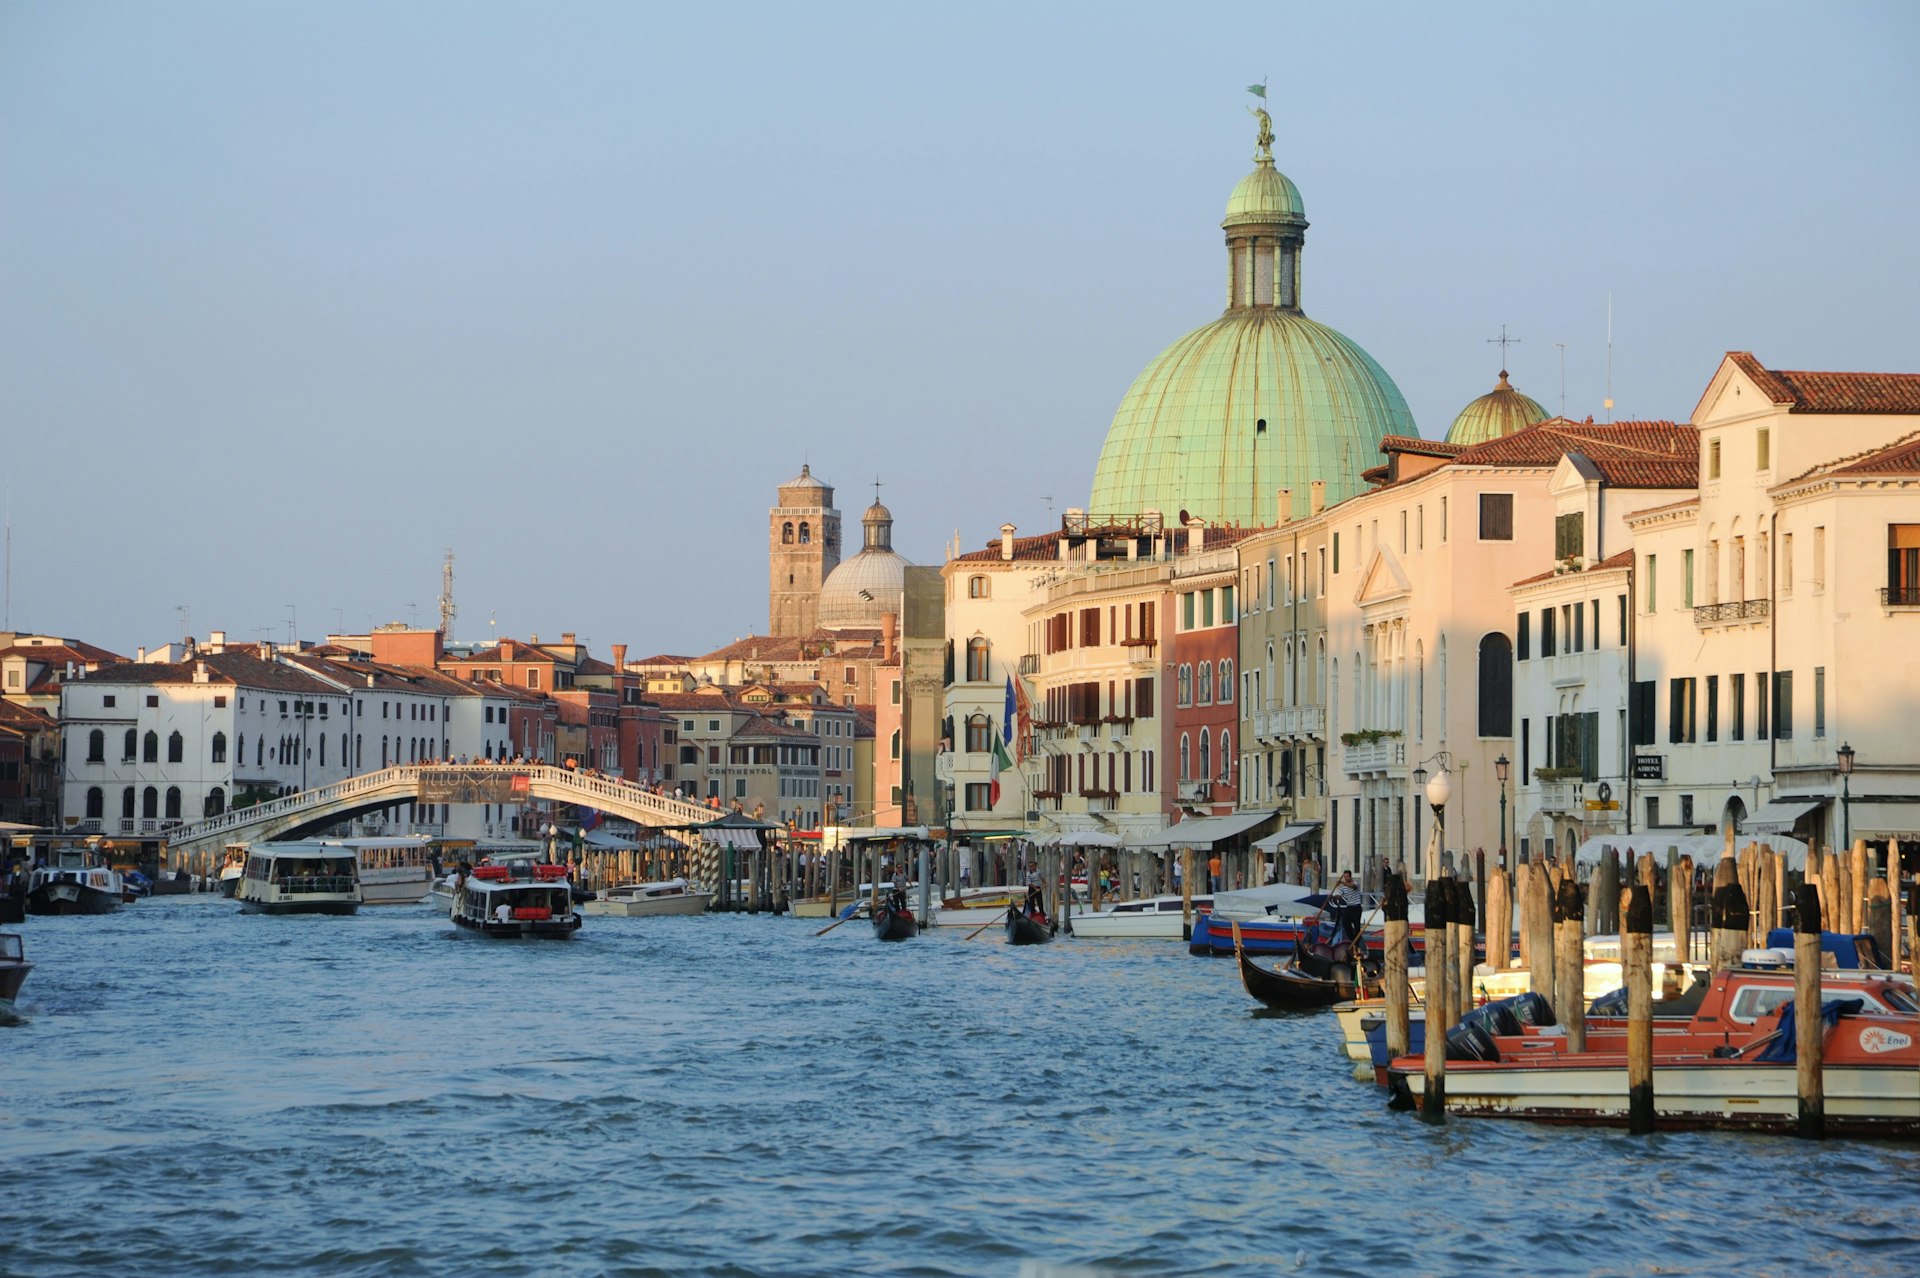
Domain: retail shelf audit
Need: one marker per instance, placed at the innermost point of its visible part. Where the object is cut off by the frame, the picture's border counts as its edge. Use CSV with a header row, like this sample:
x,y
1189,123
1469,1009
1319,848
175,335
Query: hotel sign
x,y
1649,767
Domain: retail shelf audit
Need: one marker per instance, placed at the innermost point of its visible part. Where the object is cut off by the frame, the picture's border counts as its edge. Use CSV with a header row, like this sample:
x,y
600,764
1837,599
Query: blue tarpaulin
x,y
1784,1048
1845,947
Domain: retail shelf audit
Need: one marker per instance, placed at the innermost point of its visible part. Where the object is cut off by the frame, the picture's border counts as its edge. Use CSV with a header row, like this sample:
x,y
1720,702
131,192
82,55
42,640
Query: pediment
x,y
1383,581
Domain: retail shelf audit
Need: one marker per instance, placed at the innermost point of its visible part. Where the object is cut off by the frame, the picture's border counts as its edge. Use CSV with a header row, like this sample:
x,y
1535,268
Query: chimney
x,y
139,654
619,656
216,641
187,646
266,650
566,637
1196,535
1283,505
200,672
889,635
1317,496
1006,540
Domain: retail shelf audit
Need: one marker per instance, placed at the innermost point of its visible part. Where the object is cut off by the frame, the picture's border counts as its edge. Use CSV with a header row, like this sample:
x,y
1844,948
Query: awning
x,y
1876,820
1274,842
1705,849
1083,839
1202,832
602,840
1775,818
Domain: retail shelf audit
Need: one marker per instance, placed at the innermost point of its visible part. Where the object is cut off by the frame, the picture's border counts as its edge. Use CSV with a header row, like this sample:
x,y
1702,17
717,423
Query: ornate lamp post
x,y
1845,758
1439,790
1500,766
1419,788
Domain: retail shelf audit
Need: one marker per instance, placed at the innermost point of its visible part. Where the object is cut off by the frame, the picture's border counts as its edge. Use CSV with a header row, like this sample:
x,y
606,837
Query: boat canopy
x,y
1274,842
1202,832
1705,849
1254,902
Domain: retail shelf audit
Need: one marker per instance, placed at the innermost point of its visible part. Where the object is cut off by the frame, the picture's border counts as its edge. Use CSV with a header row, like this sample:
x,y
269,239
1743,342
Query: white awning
x,y
603,840
1202,832
1875,820
1775,818
1705,849
1083,839
1274,842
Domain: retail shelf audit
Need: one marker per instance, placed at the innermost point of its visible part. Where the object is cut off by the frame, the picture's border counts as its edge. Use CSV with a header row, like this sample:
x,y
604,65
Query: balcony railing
x,y
1375,756
1721,614
1559,796
1900,597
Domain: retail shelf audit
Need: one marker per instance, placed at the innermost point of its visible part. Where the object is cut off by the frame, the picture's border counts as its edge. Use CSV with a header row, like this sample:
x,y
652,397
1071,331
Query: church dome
x,y
1261,399
869,585
1501,411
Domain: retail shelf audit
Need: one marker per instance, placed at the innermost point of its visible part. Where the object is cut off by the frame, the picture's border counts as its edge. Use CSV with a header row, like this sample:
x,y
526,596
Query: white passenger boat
x,y
232,869
640,900
517,853
523,900
1154,918
394,871
76,883
305,876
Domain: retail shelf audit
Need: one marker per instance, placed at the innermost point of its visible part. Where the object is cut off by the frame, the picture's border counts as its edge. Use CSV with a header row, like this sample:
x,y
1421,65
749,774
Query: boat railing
x,y
312,884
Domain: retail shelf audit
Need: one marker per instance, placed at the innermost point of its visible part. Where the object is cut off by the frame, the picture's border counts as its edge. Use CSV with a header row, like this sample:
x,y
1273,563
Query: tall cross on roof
x,y
1503,341
876,490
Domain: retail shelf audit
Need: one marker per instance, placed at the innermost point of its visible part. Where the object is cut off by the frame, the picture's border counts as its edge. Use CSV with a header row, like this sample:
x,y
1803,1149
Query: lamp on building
x,y
1500,767
1844,756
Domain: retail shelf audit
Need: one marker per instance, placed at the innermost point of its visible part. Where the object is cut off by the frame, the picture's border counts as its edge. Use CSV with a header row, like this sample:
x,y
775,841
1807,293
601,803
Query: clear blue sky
x,y
293,297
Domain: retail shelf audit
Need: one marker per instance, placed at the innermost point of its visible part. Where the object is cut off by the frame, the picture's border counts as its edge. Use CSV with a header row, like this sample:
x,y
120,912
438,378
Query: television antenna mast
x,y
447,610
1562,348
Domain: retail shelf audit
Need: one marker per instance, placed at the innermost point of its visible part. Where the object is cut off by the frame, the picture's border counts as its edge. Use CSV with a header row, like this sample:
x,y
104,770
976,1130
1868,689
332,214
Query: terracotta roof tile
x,y
1624,559
1823,392
1638,454
1901,457
25,718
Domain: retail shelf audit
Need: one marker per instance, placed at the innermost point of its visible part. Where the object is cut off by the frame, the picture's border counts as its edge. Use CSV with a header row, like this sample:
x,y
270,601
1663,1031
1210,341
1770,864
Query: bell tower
x,y
803,546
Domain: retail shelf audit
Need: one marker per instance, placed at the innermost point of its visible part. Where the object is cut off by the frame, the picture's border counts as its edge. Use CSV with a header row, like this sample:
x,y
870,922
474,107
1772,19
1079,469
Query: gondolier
x,y
1036,896
1346,901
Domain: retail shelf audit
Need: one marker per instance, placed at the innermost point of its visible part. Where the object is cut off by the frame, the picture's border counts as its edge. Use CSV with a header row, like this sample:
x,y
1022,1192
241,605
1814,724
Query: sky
x,y
295,298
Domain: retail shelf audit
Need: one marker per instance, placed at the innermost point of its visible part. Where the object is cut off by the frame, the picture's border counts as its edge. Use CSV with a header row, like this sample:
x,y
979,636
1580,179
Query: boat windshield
x,y
300,875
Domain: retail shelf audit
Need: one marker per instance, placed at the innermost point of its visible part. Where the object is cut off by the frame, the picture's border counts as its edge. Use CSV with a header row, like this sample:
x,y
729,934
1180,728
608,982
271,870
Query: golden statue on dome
x,y
1265,140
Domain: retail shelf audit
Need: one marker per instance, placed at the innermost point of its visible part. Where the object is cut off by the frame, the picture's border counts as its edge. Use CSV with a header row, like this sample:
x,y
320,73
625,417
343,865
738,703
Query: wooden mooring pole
x,y
1729,917
1636,953
1537,920
1809,1025
1394,903
1439,927
1569,965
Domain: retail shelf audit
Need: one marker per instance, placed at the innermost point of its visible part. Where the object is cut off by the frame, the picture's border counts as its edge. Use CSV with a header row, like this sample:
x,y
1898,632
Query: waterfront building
x,y
738,746
1205,652
29,766
1260,399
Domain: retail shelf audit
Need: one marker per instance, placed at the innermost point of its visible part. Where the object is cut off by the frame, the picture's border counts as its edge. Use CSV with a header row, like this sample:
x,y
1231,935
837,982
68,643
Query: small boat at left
x,y
77,882
523,899
306,876
13,965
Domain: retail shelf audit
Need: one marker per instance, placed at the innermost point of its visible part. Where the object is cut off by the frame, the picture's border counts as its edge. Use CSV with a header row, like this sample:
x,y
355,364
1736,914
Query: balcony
x,y
1559,796
1375,757
1726,614
1303,721
1900,597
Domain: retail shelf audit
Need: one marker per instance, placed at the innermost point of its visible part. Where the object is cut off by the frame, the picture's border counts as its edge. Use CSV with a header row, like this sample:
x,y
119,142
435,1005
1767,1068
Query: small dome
x,y
877,514
804,479
1500,412
864,588
1264,195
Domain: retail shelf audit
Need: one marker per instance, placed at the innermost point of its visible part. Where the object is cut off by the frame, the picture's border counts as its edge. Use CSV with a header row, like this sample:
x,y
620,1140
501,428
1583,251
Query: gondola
x,y
892,923
1306,983
1022,930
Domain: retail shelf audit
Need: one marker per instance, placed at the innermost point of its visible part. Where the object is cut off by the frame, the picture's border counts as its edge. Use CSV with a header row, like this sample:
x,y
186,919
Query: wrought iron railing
x,y
1721,613
1900,596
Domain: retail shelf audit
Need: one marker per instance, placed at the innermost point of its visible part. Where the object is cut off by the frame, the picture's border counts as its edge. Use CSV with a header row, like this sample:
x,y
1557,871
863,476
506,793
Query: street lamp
x,y
1500,766
1419,786
1845,758
553,835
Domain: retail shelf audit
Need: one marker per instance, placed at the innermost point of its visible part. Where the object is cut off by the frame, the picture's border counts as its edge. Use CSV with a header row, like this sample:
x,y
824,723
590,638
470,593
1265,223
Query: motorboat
x,y
1727,1063
394,870
524,899
233,868
302,876
13,965
640,900
77,882
1160,918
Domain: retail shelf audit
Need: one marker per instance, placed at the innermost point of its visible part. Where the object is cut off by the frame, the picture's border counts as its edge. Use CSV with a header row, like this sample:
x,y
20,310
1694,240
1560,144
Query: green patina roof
x,y
1264,195
1501,411
1186,436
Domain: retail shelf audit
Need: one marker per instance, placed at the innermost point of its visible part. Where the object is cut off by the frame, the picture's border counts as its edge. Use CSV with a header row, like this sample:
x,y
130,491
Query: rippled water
x,y
196,1091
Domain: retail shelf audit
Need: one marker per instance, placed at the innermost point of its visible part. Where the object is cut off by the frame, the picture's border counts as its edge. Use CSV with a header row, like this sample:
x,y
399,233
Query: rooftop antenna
x,y
1503,341
1607,403
340,619
293,626
1562,348
447,610
1048,498
6,608
413,616
186,618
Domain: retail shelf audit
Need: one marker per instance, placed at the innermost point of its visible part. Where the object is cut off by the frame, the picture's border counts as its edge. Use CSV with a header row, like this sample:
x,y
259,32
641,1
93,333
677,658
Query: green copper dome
x,y
1261,399
1501,411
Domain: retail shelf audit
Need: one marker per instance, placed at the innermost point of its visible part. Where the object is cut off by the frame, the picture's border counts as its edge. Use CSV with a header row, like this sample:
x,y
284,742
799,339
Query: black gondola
x,y
894,923
1022,930
1314,977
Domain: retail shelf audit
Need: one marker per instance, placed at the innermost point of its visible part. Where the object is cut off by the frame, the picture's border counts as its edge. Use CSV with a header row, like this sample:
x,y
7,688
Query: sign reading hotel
x,y
1649,767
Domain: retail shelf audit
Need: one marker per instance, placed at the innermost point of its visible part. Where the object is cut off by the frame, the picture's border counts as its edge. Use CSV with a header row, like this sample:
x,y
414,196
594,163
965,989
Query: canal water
x,y
190,1090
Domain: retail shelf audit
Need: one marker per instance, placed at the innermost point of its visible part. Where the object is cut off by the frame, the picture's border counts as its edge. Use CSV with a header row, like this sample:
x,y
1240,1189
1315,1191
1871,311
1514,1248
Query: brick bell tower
x,y
803,546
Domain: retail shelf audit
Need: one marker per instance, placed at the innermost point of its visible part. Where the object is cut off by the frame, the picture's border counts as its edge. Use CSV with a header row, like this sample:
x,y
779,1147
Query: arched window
x,y
1206,757
979,734
260,751
173,803
1203,686
219,747
323,749
216,802
150,747
383,752
96,803
130,748
359,750
978,651
1226,683
806,534
176,748
786,533
893,749
1419,691
1186,691
96,746
126,804
977,588
1226,755
1186,758
1496,686
149,803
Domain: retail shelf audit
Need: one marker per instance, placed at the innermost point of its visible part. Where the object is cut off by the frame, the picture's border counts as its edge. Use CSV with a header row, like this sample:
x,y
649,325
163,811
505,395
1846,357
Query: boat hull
x,y
691,903
894,925
559,929
71,898
12,977
1214,936
335,906
1022,930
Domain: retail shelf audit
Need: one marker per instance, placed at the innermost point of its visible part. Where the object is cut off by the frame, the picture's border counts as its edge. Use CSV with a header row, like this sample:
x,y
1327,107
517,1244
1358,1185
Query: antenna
x,y
1608,402
186,618
447,610
1562,348
293,626
1503,341
6,608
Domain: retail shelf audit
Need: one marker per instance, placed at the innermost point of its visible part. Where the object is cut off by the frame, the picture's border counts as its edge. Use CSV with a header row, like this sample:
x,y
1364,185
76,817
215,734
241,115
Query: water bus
x,y
521,900
396,870
77,882
306,876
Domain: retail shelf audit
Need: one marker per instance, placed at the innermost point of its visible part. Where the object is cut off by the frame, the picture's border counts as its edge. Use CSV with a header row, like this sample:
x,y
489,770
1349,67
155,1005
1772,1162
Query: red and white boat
x,y
1714,1070
524,900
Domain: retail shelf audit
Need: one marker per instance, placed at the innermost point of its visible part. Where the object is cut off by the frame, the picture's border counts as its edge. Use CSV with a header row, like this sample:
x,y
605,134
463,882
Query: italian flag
x,y
996,761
